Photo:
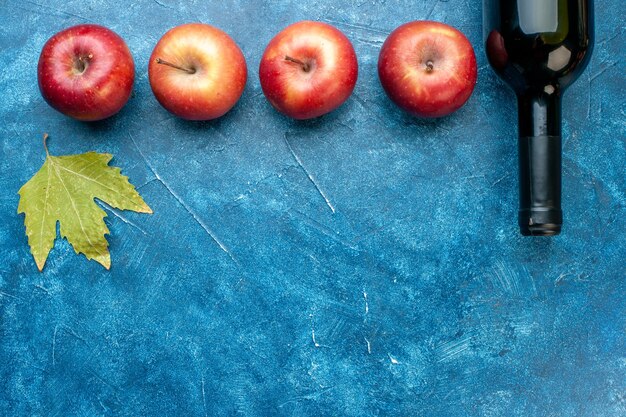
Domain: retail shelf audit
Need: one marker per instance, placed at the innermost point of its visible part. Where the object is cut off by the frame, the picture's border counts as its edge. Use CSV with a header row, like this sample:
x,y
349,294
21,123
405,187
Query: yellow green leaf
x,y
63,191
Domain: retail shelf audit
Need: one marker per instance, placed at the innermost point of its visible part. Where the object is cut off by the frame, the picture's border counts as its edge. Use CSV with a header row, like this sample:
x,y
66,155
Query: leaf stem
x,y
45,146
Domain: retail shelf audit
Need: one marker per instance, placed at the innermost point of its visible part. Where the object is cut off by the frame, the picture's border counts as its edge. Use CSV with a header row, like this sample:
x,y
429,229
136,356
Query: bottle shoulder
x,y
545,42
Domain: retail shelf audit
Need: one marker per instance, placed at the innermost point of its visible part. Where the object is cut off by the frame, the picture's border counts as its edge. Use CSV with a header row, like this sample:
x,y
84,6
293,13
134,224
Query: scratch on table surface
x,y
393,360
593,77
524,326
620,400
362,102
203,397
219,133
189,210
376,42
367,306
70,331
105,382
369,345
253,350
588,96
73,333
432,10
42,288
151,180
255,95
610,38
452,349
324,265
6,294
367,34
163,5
45,13
472,183
324,230
366,28
368,232
612,218
168,117
561,277
377,229
506,279
124,219
576,277
313,338
496,182
308,174
34,109
338,328
54,343
102,405
56,10
347,126
310,396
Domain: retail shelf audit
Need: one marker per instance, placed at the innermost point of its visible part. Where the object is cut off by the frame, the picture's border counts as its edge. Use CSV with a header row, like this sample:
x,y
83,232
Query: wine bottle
x,y
539,47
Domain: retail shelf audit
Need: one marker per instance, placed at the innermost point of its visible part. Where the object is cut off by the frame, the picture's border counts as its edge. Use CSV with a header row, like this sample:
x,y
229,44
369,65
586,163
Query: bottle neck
x,y
539,113
540,211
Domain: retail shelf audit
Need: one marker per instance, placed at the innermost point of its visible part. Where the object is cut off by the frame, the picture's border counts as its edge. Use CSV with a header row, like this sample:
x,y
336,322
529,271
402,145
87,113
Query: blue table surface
x,y
364,263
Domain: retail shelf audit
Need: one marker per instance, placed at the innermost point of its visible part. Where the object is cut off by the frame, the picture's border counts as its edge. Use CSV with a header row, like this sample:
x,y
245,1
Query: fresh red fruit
x,y
308,69
427,68
197,72
86,72
496,50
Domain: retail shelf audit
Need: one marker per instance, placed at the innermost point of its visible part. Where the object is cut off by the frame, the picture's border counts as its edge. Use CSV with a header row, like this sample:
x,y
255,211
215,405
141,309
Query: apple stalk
x,y
306,67
178,67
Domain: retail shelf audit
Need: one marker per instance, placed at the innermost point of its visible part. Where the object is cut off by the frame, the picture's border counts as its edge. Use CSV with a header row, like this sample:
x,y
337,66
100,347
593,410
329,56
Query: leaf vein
x,y
80,221
88,166
43,217
119,193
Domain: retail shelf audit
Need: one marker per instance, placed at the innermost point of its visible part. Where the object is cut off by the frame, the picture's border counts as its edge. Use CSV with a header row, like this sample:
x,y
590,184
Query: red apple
x,y
86,72
427,68
496,51
308,70
197,72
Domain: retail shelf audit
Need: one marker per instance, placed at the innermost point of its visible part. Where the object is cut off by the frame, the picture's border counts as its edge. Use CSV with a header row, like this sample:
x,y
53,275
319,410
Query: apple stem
x,y
169,64
430,65
305,67
45,145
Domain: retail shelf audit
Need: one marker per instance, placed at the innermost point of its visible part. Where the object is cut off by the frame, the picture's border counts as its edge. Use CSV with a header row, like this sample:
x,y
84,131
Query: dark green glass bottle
x,y
539,47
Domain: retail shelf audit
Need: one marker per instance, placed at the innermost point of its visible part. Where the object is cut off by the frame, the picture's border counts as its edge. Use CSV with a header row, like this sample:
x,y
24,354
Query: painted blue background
x,y
414,295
